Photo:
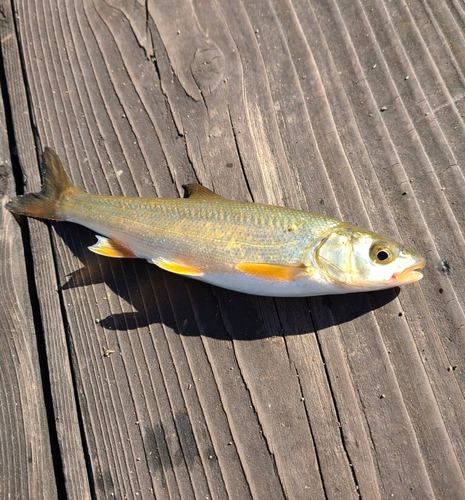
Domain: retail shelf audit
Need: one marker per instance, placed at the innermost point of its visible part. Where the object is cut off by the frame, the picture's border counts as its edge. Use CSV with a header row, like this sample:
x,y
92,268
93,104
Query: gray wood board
x,y
169,388
26,464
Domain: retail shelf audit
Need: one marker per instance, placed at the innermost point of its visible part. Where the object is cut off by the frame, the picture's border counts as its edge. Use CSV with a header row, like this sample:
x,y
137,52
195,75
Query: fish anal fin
x,y
181,268
196,191
111,248
271,272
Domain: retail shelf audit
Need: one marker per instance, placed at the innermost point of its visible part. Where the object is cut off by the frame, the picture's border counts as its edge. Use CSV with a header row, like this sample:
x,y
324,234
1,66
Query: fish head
x,y
361,260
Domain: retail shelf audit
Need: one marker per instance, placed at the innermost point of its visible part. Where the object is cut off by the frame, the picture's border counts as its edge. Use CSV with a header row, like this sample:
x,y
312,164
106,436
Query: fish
x,y
242,246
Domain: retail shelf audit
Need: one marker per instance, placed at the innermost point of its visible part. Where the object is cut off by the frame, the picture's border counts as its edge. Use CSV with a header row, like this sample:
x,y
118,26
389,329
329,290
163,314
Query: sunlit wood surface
x,y
119,380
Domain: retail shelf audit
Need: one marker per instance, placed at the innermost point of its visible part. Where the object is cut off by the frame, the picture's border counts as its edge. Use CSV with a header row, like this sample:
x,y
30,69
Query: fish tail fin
x,y
55,184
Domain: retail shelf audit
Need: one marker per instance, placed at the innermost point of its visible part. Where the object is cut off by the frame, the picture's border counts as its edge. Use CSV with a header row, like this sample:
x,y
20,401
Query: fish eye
x,y
382,252
382,255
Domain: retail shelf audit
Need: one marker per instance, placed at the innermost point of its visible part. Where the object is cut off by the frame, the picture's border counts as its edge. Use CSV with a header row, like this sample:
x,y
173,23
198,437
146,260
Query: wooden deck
x,y
118,380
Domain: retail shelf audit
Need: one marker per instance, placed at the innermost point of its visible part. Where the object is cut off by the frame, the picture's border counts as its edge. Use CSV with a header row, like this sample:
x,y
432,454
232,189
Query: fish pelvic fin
x,y
271,272
181,268
111,248
55,184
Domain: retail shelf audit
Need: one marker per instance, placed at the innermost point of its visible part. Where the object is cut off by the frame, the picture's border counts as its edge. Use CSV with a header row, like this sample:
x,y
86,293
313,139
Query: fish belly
x,y
306,286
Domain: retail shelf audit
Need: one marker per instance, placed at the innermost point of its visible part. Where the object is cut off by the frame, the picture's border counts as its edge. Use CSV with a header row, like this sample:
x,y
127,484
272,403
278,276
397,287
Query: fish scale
x,y
151,225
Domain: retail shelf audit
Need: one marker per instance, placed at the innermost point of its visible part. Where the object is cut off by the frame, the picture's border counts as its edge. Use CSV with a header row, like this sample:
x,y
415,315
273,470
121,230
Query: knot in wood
x,y
207,67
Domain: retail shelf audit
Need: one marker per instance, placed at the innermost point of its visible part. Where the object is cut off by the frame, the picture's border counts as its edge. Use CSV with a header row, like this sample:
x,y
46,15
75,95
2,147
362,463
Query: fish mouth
x,y
410,274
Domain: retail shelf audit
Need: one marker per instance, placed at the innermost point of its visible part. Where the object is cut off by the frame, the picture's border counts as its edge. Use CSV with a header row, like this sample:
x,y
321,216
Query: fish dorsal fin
x,y
271,272
177,267
196,191
111,248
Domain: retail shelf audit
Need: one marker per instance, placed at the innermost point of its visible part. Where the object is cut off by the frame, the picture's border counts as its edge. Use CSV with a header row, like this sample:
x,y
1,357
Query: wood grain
x,y
71,476
170,388
26,464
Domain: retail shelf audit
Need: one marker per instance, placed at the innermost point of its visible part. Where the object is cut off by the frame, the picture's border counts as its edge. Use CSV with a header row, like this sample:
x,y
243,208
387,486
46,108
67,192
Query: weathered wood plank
x,y
26,465
63,415
306,103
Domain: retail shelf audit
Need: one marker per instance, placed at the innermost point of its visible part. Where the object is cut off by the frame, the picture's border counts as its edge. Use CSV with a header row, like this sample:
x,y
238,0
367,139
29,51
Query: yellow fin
x,y
271,272
178,267
196,191
111,248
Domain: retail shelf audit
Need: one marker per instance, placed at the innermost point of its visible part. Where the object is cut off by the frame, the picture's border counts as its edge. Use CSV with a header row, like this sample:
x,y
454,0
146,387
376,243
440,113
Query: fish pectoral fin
x,y
196,191
178,267
271,272
111,248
